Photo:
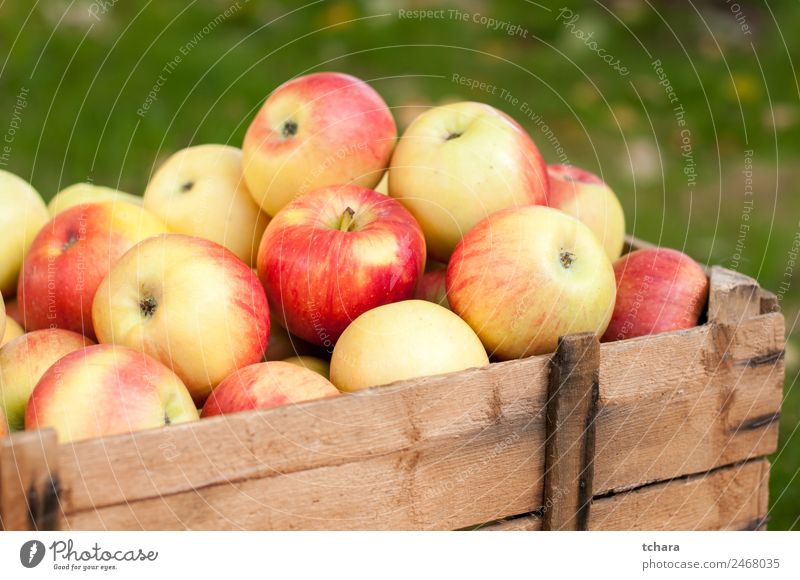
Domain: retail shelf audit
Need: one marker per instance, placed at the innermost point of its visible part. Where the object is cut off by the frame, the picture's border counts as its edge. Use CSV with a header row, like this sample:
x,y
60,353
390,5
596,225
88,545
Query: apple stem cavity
x,y
186,187
71,241
567,258
347,221
289,129
148,306
452,136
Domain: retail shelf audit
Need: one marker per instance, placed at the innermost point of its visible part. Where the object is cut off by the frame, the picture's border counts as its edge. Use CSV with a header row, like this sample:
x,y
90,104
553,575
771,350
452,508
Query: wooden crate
x,y
662,432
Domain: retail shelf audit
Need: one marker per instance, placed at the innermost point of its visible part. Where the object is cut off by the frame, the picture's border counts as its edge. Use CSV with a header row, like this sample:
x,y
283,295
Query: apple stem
x,y
567,258
347,220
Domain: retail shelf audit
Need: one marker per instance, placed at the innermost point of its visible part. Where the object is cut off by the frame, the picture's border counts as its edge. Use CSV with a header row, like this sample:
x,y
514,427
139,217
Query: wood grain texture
x,y
29,481
729,498
687,402
444,452
732,297
569,452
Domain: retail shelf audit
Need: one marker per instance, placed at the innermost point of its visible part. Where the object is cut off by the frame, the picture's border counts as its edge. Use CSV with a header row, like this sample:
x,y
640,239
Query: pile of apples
x,y
325,235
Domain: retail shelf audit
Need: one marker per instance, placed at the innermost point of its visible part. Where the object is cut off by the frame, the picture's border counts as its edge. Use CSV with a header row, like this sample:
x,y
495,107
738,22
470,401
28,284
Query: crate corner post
x,y
30,489
570,445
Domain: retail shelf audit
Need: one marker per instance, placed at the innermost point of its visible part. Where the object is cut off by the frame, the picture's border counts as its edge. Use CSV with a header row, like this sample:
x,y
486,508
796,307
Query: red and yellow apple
x,y
335,253
267,385
189,303
84,193
313,131
70,257
200,191
22,215
658,290
404,340
107,390
585,196
525,276
457,164
24,360
312,363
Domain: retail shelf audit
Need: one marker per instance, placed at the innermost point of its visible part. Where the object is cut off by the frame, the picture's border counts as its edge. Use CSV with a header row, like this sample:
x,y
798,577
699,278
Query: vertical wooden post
x,y
569,449
732,297
29,485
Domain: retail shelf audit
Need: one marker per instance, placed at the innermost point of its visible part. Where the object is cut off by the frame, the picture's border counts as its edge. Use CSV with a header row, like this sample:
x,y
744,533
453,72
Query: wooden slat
x,y
443,452
729,498
675,403
29,481
527,523
569,452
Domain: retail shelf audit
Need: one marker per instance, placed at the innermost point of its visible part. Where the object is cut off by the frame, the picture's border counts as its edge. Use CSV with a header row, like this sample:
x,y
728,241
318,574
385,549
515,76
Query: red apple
x,y
313,131
658,290
70,257
24,360
432,287
189,303
335,253
585,196
106,390
525,276
267,385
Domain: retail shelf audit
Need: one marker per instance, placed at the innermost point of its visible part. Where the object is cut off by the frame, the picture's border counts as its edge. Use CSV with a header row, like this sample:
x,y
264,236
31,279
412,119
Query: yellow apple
x,y
457,164
22,215
312,363
525,276
13,330
83,193
200,191
585,196
403,340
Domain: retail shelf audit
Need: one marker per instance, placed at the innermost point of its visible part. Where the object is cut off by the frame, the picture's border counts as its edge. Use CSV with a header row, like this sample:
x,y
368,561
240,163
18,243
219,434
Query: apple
x,y
187,302
200,191
404,340
13,311
267,385
3,318
383,184
107,390
335,253
319,366
22,215
585,196
283,345
432,287
24,360
13,330
70,257
83,193
525,276
313,131
658,290
457,164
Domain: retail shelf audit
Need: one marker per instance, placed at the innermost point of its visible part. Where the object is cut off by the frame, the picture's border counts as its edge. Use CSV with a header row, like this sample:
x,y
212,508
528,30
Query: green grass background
x,y
86,68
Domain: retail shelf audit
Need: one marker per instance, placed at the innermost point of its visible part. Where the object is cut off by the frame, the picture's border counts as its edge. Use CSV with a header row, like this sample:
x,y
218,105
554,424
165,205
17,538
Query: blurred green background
x,y
76,76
